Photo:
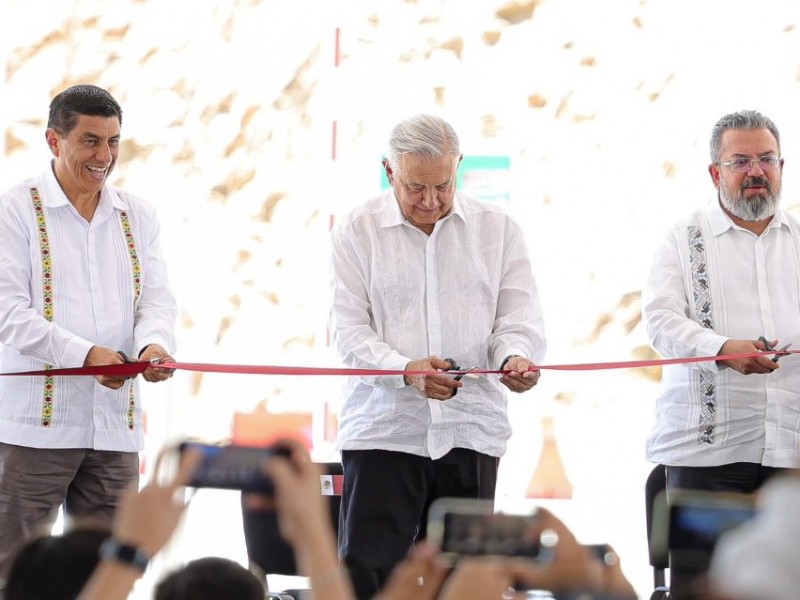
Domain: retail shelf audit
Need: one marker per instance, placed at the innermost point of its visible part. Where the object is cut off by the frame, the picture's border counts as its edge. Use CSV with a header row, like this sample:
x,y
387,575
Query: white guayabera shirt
x,y
66,285
711,281
465,292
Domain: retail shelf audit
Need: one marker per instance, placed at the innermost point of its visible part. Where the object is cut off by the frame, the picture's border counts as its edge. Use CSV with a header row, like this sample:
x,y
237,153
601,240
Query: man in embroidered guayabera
x,y
82,283
421,274
720,280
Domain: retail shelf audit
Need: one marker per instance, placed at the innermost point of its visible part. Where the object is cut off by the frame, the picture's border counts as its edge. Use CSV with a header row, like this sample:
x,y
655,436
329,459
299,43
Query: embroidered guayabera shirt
x,y
65,285
711,281
465,292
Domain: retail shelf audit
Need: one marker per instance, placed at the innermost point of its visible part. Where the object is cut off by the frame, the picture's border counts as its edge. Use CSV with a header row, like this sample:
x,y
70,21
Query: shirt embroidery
x,y
701,294
47,299
135,264
136,269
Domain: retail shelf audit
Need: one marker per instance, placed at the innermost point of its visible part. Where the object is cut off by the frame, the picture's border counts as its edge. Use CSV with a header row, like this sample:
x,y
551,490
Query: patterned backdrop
x,y
252,123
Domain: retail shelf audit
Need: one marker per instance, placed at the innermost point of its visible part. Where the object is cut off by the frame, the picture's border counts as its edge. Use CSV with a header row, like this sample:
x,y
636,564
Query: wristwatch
x,y
505,360
127,554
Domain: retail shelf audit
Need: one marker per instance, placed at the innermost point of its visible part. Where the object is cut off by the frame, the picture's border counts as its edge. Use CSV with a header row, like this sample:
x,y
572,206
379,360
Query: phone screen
x,y
232,467
695,529
495,534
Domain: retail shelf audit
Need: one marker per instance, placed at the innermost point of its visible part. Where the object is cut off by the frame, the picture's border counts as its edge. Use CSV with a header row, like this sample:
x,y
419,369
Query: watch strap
x,y
505,360
127,554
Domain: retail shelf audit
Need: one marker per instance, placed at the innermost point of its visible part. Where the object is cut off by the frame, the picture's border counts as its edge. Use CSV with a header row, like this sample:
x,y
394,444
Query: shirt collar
x,y
720,221
54,196
458,208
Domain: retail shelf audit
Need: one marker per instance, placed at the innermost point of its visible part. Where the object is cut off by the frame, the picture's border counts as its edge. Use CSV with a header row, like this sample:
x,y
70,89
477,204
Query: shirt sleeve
x,y
672,331
518,325
156,311
357,341
22,326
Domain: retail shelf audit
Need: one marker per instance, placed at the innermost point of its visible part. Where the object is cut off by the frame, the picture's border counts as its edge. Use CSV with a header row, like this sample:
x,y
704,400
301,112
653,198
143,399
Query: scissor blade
x,y
781,352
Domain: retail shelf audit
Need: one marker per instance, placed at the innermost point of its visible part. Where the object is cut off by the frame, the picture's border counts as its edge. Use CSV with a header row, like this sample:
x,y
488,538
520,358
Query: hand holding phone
x,y
689,525
464,527
232,467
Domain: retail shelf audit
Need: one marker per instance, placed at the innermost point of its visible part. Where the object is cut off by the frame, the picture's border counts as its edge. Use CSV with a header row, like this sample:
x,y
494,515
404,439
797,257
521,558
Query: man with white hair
x,y
421,273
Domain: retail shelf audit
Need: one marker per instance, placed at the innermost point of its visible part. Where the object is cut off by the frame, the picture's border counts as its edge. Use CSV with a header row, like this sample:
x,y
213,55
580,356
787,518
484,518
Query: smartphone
x,y
231,467
693,522
465,527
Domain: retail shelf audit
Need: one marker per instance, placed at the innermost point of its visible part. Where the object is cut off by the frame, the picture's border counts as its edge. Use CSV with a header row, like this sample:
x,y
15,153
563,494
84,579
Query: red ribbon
x,y
131,369
127,369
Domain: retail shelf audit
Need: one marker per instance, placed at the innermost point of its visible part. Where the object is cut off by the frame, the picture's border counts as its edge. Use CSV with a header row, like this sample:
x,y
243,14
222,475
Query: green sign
x,y
484,177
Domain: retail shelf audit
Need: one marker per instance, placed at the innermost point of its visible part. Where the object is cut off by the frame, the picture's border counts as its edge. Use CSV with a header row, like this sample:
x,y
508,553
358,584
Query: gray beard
x,y
756,208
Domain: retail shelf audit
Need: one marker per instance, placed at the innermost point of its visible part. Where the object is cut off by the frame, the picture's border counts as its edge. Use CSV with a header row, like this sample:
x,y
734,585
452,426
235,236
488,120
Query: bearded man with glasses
x,y
726,282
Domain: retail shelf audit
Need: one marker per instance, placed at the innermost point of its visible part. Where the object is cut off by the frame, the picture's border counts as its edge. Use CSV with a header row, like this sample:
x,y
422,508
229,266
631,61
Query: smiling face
x,y
750,196
85,156
424,187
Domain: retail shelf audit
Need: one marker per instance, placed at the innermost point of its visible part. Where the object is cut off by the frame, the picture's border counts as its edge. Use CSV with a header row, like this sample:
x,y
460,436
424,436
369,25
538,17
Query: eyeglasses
x,y
744,165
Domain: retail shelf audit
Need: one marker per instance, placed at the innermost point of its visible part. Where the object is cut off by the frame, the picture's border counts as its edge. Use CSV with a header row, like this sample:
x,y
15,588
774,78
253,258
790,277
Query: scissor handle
x,y
771,348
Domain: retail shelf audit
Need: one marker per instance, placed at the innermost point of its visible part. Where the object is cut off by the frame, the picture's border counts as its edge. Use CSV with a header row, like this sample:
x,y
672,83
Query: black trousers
x,y
385,504
745,478
741,477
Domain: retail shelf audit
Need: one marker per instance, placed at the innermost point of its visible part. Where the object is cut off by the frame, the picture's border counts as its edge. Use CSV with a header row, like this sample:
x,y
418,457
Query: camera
x,y
232,467
690,525
465,527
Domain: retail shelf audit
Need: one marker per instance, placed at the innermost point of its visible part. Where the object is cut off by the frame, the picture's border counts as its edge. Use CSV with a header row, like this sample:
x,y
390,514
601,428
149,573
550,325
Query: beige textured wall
x,y
604,108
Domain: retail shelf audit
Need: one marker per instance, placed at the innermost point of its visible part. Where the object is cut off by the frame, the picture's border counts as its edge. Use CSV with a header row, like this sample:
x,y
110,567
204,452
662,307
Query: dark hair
x,y
210,578
81,100
55,567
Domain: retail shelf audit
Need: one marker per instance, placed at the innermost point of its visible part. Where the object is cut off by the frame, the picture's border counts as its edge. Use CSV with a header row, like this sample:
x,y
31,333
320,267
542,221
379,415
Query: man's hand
x,y
148,518
418,577
519,379
155,372
98,355
481,577
303,515
436,387
573,567
748,366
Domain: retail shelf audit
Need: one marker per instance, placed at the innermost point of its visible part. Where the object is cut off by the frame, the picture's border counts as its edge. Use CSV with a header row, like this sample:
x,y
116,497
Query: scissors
x,y
461,372
779,351
153,361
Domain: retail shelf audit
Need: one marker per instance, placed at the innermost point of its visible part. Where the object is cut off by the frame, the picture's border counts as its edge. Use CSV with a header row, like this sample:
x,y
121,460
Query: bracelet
x,y
506,359
127,554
